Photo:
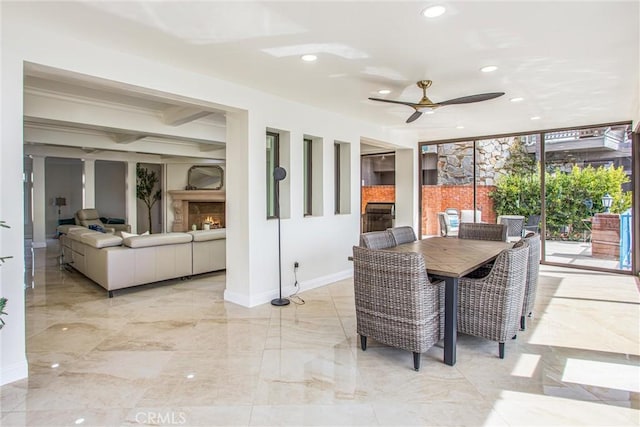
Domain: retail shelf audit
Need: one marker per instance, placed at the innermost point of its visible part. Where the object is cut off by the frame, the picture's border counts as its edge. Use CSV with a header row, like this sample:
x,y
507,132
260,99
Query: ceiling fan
x,y
426,104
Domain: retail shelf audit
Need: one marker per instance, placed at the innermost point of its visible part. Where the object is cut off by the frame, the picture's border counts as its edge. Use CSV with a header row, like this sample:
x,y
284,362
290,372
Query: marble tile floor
x,y
176,353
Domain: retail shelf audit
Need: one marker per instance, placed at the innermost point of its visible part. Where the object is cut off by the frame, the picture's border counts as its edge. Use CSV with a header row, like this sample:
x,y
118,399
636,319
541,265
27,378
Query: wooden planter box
x,y
605,236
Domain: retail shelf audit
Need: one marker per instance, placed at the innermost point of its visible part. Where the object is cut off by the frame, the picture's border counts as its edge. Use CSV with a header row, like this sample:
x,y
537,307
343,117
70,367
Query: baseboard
x,y
14,372
266,297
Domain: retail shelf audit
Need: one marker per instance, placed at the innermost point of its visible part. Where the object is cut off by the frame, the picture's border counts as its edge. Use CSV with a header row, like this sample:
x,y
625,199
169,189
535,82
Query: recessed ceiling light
x,y
384,91
459,127
517,99
488,69
309,58
434,11
535,118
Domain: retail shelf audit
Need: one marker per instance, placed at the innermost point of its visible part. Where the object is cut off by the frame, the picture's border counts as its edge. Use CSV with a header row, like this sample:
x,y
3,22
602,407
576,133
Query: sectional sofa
x,y
117,263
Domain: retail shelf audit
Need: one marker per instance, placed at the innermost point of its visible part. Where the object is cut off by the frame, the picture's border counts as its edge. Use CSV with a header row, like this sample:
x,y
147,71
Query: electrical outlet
x,y
296,264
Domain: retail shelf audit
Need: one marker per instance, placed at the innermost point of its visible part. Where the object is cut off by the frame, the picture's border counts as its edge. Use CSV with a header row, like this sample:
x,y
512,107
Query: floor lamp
x,y
59,202
279,174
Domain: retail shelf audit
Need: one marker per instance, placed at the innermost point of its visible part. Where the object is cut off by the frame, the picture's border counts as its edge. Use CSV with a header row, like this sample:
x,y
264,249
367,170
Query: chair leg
x,y
416,361
523,323
363,342
501,350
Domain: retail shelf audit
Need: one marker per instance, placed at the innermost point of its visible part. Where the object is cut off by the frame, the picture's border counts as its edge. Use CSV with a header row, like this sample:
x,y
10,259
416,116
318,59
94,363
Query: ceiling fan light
x,y
309,58
489,69
434,11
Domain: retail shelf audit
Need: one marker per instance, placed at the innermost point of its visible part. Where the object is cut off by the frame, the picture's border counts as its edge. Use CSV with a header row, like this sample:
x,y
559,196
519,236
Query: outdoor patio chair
x,y
377,240
483,231
404,234
448,224
490,307
533,271
533,224
396,304
514,223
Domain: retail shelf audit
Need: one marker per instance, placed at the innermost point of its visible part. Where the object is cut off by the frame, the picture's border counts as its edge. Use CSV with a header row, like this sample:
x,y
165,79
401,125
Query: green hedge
x,y
570,197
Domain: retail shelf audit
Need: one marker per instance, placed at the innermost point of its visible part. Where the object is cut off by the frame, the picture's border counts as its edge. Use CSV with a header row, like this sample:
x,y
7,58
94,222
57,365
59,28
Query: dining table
x,y
449,259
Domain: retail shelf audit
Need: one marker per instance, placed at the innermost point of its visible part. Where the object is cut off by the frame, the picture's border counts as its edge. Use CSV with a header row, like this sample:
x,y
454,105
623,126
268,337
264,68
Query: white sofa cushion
x,y
157,240
205,235
101,240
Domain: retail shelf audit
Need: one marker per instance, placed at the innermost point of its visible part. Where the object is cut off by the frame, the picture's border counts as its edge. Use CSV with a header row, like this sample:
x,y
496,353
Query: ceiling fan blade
x,y
410,104
414,116
472,98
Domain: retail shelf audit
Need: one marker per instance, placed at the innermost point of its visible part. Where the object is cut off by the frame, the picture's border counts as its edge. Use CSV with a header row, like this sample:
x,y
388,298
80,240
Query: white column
x,y
131,200
89,184
238,286
39,238
407,212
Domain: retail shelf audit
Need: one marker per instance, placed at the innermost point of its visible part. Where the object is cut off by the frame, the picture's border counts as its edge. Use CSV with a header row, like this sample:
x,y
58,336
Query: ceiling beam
x,y
176,116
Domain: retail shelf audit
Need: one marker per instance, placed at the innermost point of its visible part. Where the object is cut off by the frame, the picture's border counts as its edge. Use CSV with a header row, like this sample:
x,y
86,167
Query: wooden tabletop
x,y
453,257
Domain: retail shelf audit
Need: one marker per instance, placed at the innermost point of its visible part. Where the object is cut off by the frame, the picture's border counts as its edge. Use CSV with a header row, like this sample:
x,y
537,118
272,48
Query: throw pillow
x,y
124,234
96,227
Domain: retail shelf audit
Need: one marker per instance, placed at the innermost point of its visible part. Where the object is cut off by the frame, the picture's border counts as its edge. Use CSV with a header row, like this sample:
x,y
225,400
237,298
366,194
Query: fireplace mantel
x,y
181,199
198,195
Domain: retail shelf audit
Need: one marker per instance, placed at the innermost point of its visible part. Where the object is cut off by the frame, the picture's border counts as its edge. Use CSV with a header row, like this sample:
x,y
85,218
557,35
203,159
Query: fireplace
x,y
203,214
204,208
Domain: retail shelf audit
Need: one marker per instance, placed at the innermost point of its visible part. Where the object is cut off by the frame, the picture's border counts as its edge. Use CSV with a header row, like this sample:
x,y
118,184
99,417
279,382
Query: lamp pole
x,y
279,174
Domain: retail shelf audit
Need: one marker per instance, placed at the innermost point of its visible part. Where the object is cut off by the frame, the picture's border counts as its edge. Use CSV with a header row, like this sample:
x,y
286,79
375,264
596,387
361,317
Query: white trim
x,y
14,372
266,297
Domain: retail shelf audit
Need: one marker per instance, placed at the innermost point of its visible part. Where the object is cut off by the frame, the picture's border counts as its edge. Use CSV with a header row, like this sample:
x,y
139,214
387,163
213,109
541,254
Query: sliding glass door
x,y
572,186
588,196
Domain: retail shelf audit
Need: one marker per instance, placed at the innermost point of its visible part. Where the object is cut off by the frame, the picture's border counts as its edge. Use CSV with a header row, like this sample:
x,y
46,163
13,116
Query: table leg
x,y
450,320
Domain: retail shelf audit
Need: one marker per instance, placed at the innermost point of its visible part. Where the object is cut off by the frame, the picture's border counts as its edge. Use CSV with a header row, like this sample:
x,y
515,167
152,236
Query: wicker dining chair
x,y
533,271
404,234
396,304
482,231
377,240
490,307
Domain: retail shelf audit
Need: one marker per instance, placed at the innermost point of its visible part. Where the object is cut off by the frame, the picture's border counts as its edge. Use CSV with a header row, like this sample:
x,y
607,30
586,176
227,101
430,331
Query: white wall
x,y
320,244
110,188
63,179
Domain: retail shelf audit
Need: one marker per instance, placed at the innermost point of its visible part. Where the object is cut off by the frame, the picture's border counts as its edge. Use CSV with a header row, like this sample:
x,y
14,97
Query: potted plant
x,y
147,180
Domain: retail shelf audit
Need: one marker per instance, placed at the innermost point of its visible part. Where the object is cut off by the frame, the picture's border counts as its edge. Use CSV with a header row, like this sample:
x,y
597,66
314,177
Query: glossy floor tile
x,y
175,353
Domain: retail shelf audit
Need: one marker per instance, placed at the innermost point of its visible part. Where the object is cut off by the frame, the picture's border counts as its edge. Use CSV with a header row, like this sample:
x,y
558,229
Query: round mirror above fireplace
x,y
207,177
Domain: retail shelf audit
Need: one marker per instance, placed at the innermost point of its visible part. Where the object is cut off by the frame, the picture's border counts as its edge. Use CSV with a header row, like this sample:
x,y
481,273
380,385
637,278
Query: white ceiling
x,y
574,62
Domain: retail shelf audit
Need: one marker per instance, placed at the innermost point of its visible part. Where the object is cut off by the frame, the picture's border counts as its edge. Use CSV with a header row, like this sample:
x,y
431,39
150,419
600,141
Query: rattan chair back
x,y
396,304
533,271
404,234
490,307
377,240
482,231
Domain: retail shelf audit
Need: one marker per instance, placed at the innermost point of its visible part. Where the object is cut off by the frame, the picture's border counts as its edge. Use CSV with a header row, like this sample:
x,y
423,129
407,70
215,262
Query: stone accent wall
x,y
455,161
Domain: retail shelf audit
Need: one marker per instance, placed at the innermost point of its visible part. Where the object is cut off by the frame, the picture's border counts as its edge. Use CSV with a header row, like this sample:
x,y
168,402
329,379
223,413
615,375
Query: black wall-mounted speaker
x,y
279,173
